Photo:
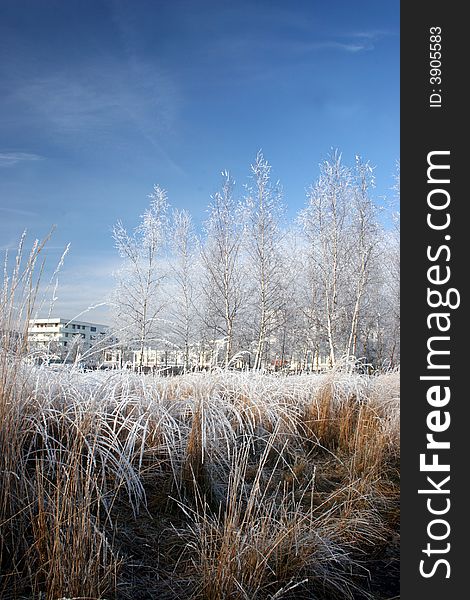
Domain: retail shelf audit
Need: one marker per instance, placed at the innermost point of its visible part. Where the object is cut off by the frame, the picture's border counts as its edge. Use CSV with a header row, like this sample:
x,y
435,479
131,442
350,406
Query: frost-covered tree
x,y
287,344
395,275
263,218
328,287
363,243
325,224
341,229
309,293
136,298
389,294
183,267
223,285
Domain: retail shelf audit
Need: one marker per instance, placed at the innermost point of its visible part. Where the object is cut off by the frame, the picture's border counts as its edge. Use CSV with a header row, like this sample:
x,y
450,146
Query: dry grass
x,y
278,486
204,486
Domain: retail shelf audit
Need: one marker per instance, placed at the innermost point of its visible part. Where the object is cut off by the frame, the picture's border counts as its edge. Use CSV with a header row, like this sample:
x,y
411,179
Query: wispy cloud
x,y
105,102
83,289
351,47
93,101
18,211
357,41
373,34
9,159
289,48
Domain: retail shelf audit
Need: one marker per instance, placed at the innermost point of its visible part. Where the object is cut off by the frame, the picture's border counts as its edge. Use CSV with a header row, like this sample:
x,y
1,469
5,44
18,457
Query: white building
x,y
172,358
63,336
155,359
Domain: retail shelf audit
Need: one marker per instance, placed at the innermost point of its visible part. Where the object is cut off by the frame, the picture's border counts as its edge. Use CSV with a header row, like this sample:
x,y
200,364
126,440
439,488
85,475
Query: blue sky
x,y
103,98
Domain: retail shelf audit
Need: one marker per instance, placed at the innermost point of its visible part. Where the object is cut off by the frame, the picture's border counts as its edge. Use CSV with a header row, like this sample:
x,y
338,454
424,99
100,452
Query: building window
x,y
93,328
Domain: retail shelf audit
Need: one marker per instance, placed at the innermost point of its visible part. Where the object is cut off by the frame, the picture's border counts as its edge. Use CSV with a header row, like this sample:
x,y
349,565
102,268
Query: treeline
x,y
253,285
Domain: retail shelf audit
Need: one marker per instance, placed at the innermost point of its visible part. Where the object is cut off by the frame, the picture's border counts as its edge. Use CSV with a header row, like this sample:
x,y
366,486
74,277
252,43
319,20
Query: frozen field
x,y
209,485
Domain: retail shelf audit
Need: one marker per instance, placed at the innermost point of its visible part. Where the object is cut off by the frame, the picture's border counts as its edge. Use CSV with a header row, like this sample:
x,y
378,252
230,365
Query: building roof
x,y
65,321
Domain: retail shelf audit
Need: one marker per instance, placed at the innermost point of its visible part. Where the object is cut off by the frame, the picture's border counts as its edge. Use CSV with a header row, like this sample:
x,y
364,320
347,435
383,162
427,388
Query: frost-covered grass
x,y
201,486
205,485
